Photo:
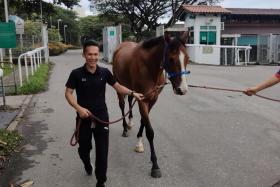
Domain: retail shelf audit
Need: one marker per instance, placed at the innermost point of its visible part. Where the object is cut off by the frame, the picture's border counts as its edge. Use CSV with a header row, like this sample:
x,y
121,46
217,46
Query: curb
x,y
12,126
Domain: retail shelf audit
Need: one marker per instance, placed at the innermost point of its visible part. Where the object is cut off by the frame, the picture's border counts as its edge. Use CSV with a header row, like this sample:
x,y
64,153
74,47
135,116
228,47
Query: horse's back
x,y
122,59
123,52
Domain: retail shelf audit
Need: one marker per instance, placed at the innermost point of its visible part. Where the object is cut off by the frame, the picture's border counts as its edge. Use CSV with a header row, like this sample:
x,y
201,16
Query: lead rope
x,y
233,90
75,137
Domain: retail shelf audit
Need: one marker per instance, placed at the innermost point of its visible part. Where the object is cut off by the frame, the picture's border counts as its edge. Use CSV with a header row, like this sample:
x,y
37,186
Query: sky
x,y
251,4
224,3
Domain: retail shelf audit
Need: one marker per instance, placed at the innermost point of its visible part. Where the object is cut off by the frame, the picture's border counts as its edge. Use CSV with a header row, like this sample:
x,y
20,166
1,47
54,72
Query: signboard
x,y
112,33
7,35
18,22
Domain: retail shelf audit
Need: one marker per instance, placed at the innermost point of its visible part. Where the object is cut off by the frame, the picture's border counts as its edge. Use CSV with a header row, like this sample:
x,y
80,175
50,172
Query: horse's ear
x,y
167,36
184,36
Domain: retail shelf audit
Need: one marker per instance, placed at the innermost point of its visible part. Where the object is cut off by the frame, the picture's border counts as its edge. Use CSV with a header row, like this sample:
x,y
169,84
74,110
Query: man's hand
x,y
83,112
250,91
138,96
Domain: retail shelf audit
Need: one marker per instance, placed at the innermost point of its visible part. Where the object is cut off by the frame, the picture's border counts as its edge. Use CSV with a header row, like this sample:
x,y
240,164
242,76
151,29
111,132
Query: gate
x,y
268,49
276,48
263,44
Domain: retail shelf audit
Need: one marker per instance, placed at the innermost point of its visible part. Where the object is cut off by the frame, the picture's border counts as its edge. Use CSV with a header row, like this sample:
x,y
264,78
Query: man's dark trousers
x,y
101,136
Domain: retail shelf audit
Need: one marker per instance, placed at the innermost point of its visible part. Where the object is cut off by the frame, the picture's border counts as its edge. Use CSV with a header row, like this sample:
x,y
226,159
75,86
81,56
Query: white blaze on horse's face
x,y
184,85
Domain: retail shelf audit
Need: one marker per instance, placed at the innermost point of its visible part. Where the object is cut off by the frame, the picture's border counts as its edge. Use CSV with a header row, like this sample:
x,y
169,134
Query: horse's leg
x,y
129,125
144,110
122,105
139,148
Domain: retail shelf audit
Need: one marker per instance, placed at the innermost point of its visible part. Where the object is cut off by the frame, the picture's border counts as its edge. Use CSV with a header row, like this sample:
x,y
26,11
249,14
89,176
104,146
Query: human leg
x,y
101,137
85,145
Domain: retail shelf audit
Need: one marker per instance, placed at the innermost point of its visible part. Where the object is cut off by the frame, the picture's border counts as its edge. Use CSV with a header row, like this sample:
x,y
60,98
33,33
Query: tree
x,y
68,18
53,35
25,8
92,26
143,15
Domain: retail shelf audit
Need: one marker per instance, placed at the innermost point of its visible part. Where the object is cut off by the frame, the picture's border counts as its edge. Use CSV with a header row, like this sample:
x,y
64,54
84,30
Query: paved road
x,y
205,139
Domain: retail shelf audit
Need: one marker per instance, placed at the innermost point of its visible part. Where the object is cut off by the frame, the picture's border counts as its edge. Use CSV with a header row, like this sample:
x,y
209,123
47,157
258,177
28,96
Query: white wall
x,y
204,55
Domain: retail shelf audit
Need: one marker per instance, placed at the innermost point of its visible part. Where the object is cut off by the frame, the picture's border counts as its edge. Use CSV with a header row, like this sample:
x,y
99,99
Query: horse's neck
x,y
155,58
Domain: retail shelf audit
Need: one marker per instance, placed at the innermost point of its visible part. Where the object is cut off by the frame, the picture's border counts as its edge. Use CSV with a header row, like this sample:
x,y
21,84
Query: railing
x,y
236,49
35,61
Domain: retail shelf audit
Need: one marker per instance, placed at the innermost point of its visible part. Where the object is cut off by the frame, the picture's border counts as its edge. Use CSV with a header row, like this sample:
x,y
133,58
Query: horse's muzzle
x,y
179,91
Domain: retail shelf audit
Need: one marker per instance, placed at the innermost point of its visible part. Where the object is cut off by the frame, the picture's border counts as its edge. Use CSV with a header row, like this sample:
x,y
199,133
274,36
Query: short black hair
x,y
89,43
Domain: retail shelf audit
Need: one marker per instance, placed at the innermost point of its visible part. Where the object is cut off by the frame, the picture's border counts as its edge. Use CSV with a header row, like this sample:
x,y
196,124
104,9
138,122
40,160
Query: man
x,y
268,83
89,81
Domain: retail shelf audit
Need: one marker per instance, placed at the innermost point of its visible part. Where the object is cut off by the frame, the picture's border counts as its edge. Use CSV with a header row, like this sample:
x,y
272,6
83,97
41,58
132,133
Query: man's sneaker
x,y
88,168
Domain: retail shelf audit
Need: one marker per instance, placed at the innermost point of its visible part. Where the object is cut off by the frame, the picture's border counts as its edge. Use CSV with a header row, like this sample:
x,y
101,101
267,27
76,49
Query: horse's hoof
x,y
125,134
156,173
129,126
139,149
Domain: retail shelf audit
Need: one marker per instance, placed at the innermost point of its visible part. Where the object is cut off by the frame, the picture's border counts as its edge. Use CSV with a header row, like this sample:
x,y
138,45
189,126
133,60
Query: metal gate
x,y
263,45
276,48
268,49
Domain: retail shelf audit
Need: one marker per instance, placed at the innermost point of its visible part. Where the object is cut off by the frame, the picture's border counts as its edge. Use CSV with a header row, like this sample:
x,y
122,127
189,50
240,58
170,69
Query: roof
x,y
205,9
253,11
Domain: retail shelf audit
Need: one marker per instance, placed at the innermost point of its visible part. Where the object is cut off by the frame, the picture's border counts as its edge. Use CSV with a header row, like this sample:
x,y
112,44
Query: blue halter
x,y
165,63
170,75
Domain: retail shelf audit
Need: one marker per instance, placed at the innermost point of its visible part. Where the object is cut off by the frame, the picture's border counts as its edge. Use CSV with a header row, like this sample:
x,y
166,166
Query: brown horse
x,y
140,67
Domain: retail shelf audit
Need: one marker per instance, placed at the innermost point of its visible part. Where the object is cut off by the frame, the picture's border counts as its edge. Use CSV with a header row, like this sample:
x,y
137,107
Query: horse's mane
x,y
152,42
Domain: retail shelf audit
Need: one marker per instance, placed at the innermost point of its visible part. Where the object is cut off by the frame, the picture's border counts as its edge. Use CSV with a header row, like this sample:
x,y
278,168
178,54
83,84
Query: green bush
x,y
56,48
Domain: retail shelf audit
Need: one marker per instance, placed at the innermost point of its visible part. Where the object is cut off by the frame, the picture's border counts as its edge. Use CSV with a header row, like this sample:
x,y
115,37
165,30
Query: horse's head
x,y
175,62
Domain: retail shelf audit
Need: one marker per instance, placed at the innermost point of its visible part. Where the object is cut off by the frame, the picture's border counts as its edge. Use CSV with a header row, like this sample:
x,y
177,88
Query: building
x,y
230,36
259,28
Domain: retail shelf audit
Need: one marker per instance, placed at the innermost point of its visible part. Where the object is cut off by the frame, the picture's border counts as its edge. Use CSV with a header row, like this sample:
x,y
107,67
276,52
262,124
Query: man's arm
x,y
268,83
83,112
124,90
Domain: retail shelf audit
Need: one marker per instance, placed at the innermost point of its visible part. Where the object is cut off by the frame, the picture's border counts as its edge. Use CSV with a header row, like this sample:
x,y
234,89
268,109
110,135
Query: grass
x,y
7,69
38,82
11,140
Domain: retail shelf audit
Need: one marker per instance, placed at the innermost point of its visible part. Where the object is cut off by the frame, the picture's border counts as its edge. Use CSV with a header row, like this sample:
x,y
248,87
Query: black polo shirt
x,y
90,87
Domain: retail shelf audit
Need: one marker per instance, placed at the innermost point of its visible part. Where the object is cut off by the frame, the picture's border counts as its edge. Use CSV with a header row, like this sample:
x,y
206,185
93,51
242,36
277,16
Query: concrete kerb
x,y
12,126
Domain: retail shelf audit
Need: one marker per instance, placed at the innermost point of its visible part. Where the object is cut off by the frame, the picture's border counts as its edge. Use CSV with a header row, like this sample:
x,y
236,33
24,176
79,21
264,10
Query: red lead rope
x,y
78,122
232,90
75,137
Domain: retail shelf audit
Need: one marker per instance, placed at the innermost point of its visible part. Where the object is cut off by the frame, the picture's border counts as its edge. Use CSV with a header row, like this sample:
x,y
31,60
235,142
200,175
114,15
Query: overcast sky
x,y
250,4
224,3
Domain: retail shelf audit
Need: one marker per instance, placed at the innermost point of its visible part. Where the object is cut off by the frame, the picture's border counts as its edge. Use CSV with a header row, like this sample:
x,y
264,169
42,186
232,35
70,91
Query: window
x,y
191,39
208,35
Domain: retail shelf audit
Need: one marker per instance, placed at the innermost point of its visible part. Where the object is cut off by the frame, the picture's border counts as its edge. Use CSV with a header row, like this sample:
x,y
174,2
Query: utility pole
x,y
6,10
58,28
41,8
7,20
65,34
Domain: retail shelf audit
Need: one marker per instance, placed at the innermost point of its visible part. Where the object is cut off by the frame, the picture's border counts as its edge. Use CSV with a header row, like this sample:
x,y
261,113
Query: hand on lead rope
x,y
84,113
138,96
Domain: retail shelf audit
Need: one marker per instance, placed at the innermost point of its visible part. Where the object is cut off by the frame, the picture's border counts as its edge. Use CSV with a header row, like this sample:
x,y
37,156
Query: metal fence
x,y
35,46
25,42
268,49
